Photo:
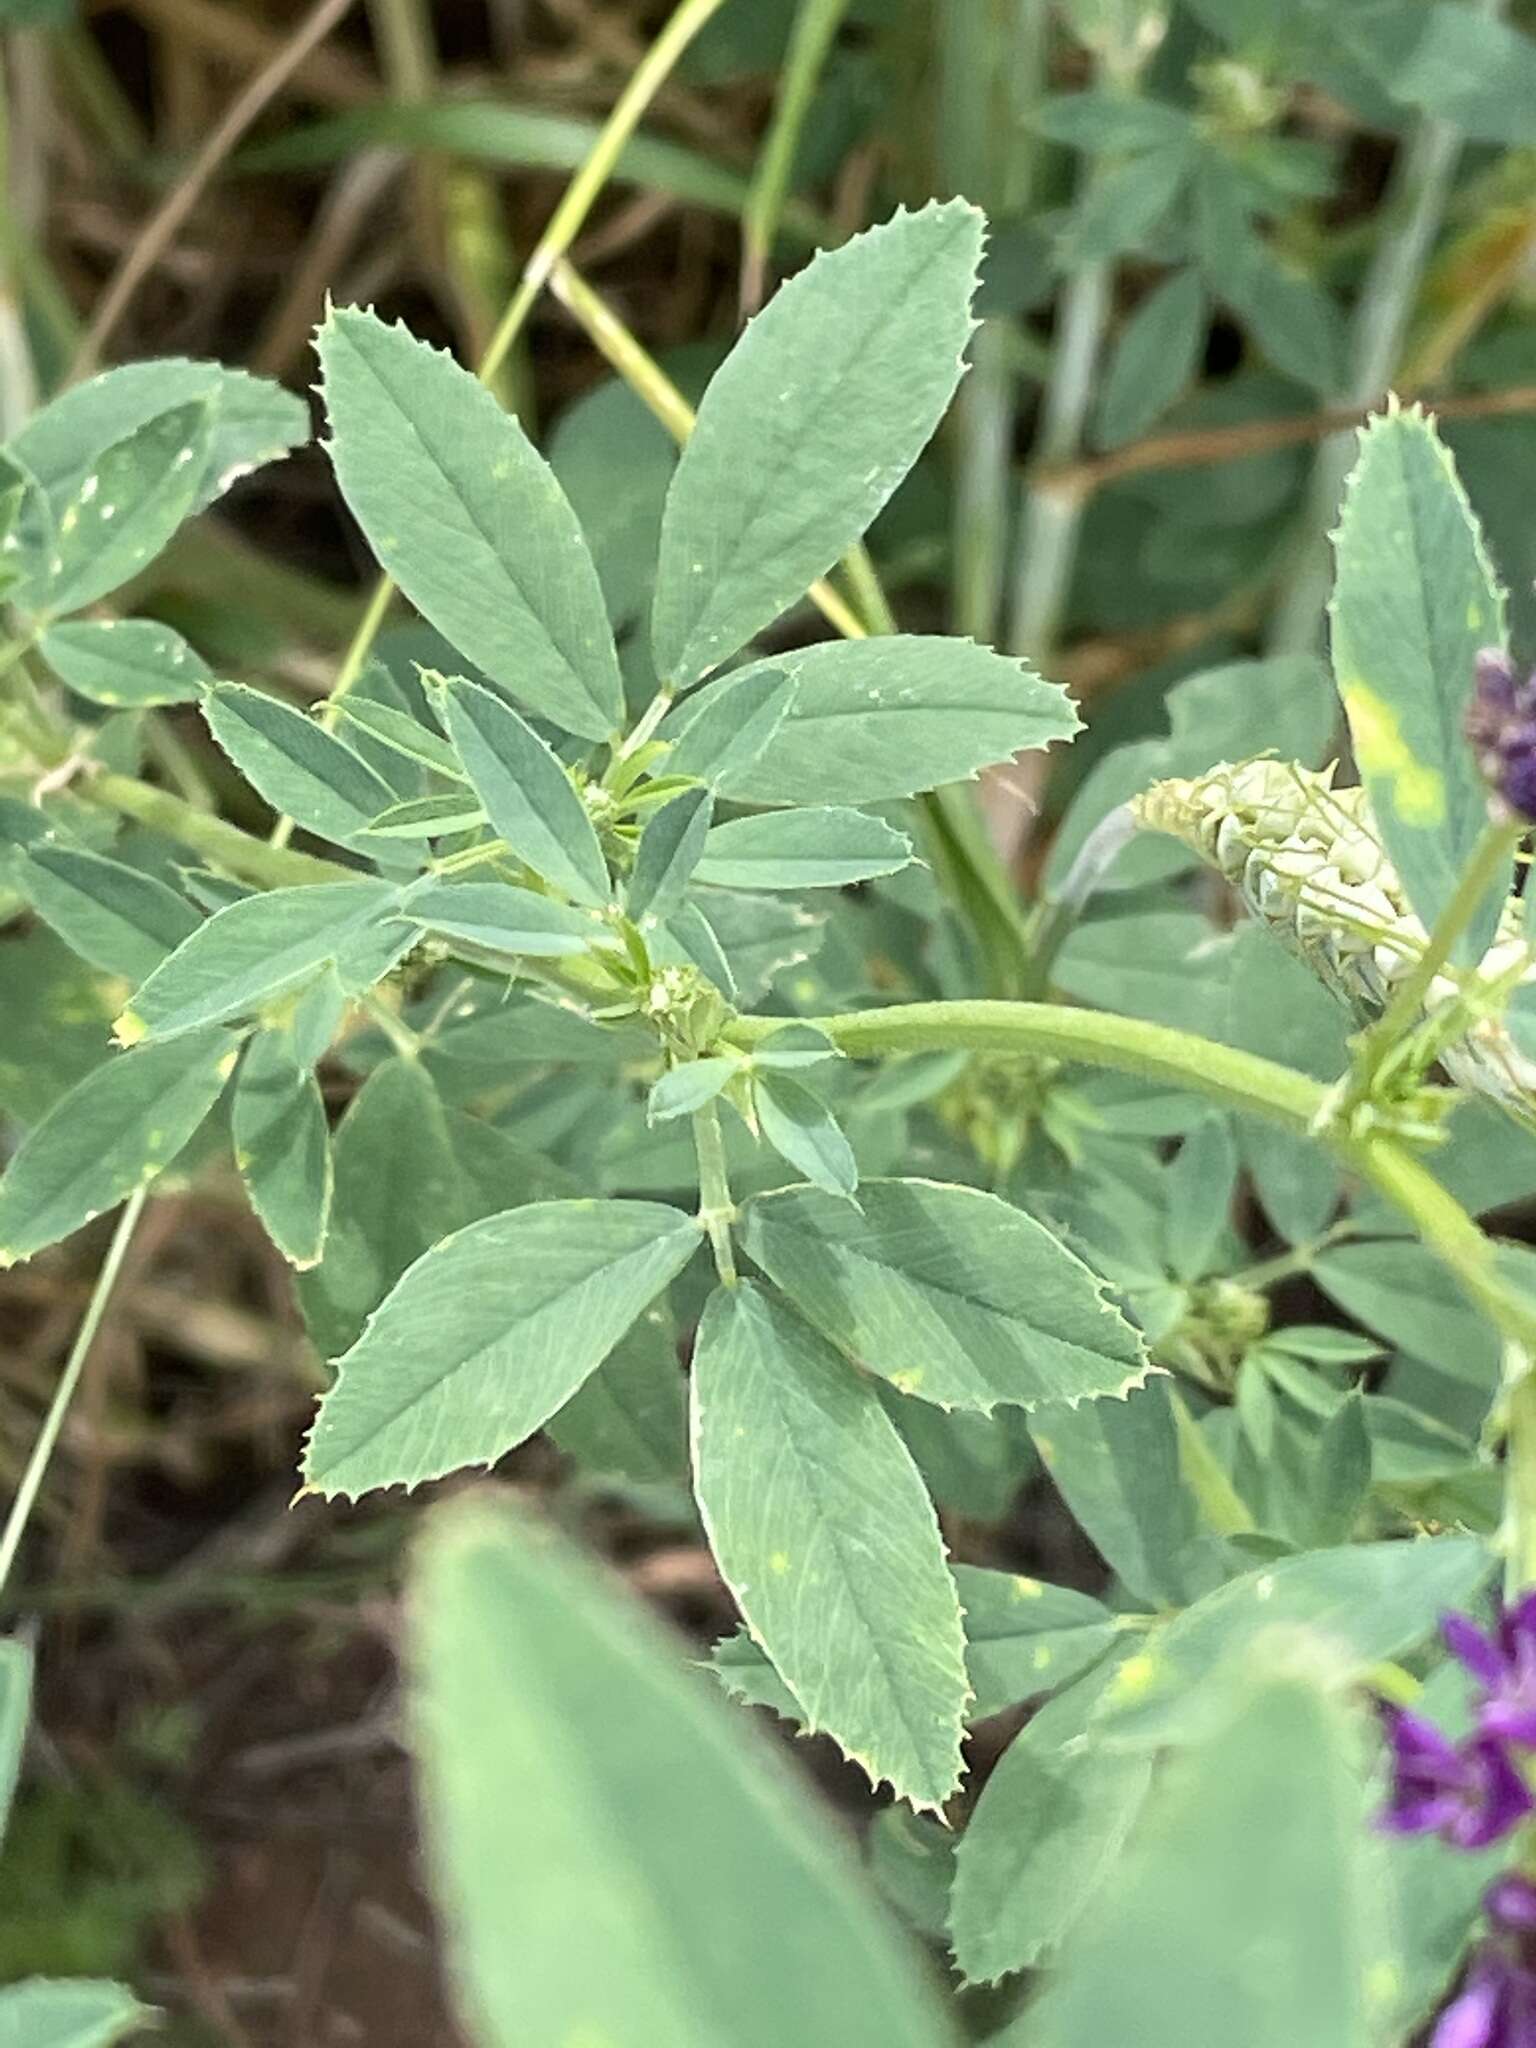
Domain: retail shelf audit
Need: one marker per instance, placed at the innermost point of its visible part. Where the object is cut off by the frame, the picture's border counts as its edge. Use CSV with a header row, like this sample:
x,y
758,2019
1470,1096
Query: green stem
x,y
717,1211
816,26
1299,1260
224,845
1093,1037
1490,868
1239,1080
566,223
1520,1487
53,1422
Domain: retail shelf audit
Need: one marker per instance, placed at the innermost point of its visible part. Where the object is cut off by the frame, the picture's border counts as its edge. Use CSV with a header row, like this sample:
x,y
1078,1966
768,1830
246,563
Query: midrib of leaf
x,y
784,449
812,1472
480,1353
436,460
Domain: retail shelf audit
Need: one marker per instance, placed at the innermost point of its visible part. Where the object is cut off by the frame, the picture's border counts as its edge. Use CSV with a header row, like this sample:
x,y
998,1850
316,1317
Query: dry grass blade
x,y
162,228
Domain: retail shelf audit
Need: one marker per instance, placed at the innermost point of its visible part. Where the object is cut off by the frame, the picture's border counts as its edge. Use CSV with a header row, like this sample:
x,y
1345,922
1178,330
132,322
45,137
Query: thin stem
x,y
53,1422
1491,866
815,30
1520,1482
1053,512
1094,1037
239,854
717,1211
581,194
565,225
1239,1080
1299,1259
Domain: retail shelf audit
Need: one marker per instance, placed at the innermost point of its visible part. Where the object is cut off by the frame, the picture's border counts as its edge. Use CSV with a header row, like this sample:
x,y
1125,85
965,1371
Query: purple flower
x,y
1504,1665
1496,2009
1469,1795
1501,726
1510,1903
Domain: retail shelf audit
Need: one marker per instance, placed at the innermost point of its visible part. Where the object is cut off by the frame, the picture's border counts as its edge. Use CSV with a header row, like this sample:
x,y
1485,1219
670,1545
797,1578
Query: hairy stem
x,y
1239,1080
717,1211
53,1422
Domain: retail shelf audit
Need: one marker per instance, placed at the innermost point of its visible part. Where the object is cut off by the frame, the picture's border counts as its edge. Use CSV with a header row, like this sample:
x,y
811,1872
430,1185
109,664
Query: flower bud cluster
x,y
1308,860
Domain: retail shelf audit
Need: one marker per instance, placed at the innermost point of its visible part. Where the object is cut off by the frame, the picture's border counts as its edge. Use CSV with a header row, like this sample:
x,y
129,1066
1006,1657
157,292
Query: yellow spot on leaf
x,y
779,1563
1137,1675
1042,1657
129,1029
1418,791
1027,1589
908,1380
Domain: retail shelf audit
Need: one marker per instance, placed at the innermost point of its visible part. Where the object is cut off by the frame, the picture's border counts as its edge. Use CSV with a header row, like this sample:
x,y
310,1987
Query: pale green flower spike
x,y
1308,860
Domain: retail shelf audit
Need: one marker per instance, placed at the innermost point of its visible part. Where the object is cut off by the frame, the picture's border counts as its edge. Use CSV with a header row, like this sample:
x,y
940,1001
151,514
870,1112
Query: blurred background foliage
x,y
1219,229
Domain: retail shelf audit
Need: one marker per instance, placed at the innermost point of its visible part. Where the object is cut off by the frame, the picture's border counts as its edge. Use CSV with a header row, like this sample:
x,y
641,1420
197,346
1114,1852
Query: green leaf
x,y
1243,1909
1202,1184
127,508
15,1710
408,1170
800,1128
401,733
1413,602
825,1534
1294,322
113,1132
528,796
629,1421
129,664
259,948
808,427
1116,1465
721,732
1024,1637
871,719
469,520
946,1292
670,849
1343,1472
254,422
690,936
120,919
684,1888
503,919
283,1146
486,1336
682,1090
811,849
301,770
429,817
793,1047
1154,359
68,2013
1369,1602
1474,71
1397,1289
1049,1828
